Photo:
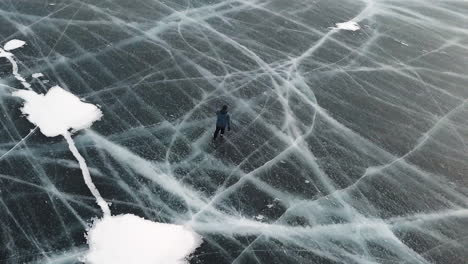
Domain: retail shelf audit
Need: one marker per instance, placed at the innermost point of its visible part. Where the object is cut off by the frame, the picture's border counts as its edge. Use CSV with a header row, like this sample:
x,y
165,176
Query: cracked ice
x,y
346,146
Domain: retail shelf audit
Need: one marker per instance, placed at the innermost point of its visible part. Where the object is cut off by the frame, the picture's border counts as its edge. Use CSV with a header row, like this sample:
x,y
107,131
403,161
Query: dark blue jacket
x,y
223,119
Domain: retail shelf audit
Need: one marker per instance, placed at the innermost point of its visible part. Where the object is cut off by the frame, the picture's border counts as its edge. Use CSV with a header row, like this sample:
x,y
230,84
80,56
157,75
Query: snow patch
x,y
13,44
260,217
55,113
127,239
37,75
350,25
58,111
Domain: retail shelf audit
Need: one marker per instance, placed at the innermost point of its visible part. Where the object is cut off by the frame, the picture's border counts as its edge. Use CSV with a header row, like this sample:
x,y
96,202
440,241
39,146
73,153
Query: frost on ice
x,y
350,25
13,44
126,239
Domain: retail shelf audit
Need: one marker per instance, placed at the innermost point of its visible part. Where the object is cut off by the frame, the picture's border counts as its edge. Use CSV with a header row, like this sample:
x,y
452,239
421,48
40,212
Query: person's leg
x,y
222,131
216,132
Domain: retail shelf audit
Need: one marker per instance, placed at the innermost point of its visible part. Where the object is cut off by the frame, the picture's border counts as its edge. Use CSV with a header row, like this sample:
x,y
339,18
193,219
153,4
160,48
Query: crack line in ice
x,y
19,143
87,177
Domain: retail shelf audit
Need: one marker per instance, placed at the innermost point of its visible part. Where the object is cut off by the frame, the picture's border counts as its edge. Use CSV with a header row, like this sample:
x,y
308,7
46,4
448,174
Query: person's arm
x,y
229,122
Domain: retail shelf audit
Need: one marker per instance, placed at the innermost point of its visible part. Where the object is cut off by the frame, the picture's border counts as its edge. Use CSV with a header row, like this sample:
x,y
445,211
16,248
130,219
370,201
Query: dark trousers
x,y
218,128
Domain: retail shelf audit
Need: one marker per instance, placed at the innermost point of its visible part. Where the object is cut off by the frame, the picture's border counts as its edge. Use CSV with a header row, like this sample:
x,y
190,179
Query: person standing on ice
x,y
223,120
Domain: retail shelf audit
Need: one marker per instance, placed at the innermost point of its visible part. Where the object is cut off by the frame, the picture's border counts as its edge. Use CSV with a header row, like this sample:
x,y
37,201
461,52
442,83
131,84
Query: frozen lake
x,y
349,142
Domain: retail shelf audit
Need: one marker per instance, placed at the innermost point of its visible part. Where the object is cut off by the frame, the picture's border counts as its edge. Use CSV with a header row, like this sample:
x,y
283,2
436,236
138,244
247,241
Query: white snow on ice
x,y
58,111
260,217
13,44
37,75
129,239
350,25
10,45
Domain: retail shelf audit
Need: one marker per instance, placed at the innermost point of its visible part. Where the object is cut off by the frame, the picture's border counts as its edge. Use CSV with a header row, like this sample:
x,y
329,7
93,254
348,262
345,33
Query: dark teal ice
x,y
346,146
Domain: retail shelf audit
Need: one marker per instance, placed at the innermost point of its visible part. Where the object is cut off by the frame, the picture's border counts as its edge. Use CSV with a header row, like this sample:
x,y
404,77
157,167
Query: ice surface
x,y
375,120
128,238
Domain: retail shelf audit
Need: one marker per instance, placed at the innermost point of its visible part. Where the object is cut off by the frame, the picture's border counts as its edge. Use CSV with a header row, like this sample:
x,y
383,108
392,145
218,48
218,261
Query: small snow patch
x,y
58,111
37,75
126,239
13,44
270,205
307,181
350,25
260,217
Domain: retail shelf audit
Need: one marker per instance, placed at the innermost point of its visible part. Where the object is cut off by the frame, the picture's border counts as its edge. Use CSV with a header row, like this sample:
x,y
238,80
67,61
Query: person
x,y
223,120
